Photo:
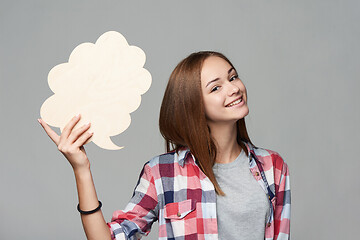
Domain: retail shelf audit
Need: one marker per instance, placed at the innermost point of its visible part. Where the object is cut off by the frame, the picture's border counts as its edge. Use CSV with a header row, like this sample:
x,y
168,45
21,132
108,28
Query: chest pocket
x,y
181,219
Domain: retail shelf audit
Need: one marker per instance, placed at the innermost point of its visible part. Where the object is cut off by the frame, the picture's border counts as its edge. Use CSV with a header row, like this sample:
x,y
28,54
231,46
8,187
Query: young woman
x,y
212,183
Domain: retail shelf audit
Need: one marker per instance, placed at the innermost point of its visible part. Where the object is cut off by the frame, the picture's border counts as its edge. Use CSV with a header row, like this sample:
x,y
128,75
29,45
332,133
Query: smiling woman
x,y
225,95
194,101
212,183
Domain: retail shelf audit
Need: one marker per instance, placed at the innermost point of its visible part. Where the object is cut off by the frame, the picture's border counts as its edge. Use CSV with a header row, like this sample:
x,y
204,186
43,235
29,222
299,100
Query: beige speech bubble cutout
x,y
103,82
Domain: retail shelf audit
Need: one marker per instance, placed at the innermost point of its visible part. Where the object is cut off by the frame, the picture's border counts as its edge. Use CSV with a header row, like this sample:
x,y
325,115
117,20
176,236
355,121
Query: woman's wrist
x,y
86,190
82,170
83,176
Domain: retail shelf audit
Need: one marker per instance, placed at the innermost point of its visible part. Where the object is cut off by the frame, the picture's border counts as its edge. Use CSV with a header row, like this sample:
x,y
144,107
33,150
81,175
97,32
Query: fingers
x,y
68,137
51,133
74,135
68,128
82,139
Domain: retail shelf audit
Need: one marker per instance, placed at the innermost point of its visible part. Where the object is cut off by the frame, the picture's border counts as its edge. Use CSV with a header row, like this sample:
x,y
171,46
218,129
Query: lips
x,y
235,102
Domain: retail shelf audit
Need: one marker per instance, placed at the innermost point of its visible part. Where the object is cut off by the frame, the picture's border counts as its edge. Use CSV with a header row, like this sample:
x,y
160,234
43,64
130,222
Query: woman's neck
x,y
225,137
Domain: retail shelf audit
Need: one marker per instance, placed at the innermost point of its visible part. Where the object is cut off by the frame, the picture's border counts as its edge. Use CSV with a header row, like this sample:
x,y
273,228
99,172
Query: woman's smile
x,y
236,102
224,94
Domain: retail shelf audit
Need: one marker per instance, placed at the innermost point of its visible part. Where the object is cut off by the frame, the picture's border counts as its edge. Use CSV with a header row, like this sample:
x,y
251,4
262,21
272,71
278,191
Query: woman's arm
x,y
94,224
70,144
283,203
141,212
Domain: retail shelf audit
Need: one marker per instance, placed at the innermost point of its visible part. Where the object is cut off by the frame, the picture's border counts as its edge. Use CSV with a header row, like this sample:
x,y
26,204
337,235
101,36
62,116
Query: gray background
x,y
299,61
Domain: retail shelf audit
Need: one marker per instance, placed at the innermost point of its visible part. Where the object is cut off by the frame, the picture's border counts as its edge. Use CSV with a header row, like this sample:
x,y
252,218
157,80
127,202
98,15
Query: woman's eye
x,y
215,88
233,77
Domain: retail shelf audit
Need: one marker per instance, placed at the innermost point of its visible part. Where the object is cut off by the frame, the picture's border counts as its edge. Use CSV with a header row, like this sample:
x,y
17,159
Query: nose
x,y
233,89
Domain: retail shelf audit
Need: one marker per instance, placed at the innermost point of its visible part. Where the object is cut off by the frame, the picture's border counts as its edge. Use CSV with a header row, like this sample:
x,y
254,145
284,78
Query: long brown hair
x,y
182,119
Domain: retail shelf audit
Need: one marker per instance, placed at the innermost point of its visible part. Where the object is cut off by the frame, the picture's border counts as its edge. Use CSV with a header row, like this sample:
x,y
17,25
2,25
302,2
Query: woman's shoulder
x,y
168,158
269,158
265,153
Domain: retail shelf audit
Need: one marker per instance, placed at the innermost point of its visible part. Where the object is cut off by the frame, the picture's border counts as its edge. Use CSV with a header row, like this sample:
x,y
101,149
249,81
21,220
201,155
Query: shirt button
x,y
178,214
268,225
257,174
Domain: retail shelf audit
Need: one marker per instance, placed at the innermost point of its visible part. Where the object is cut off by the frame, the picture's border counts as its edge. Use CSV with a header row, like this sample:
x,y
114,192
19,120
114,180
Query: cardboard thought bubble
x,y
103,82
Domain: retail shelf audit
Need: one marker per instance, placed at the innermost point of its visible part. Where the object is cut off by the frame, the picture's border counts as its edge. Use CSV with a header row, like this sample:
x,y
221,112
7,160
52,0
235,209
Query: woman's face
x,y
224,94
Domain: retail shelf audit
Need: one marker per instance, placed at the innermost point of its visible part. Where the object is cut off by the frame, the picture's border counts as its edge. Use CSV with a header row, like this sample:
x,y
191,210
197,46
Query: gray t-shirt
x,y
242,212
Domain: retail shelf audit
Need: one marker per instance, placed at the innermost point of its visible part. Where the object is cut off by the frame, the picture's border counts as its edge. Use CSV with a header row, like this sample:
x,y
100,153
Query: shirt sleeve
x,y
283,203
140,213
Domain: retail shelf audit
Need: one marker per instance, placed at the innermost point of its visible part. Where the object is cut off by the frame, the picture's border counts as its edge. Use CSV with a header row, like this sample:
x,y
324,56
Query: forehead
x,y
214,67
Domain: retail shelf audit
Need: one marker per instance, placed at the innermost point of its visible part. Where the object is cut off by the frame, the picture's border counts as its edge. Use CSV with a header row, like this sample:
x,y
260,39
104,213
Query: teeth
x,y
234,103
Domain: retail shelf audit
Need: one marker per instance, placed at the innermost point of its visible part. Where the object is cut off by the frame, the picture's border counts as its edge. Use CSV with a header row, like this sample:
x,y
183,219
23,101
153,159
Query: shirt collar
x,y
252,152
183,154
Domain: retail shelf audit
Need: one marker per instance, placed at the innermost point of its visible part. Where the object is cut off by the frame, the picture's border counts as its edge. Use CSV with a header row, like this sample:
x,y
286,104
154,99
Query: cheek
x,y
212,101
243,89
212,105
207,105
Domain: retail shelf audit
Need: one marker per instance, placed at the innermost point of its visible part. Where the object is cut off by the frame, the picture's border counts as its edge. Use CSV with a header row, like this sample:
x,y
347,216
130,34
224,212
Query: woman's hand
x,y
70,142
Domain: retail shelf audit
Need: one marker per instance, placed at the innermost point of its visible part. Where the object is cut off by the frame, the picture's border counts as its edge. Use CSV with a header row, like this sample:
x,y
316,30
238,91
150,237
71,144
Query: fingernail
x,y
91,133
39,120
77,116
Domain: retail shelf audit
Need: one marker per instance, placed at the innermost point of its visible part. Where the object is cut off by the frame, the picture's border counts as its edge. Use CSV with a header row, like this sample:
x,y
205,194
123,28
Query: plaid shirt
x,y
173,190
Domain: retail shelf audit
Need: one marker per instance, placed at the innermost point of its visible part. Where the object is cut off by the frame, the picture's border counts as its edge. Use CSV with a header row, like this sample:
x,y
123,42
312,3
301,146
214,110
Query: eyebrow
x,y
216,79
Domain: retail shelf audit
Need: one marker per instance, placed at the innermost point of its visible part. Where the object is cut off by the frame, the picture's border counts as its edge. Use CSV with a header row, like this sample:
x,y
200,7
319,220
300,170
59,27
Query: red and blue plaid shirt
x,y
173,190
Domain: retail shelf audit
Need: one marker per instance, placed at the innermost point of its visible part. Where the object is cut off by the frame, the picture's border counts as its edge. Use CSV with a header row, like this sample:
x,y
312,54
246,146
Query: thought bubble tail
x,y
106,143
